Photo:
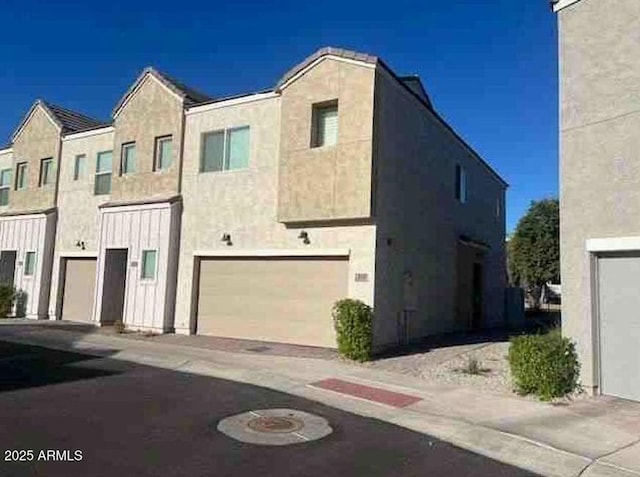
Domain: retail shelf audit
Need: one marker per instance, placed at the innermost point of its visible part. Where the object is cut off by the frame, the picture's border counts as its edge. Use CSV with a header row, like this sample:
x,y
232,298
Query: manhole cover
x,y
275,427
275,424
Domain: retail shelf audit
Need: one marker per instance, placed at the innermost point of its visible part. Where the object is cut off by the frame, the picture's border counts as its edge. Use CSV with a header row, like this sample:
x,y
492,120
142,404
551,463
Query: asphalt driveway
x,y
132,420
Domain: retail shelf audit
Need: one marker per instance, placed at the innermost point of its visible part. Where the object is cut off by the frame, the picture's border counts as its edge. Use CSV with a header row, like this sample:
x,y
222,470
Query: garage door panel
x,y
283,300
79,288
619,319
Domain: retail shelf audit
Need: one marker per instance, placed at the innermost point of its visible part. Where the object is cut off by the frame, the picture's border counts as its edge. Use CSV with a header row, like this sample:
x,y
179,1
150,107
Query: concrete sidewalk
x,y
591,437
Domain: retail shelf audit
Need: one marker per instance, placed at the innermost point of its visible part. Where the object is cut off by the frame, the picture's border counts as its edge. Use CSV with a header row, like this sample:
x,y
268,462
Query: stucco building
x,y
248,217
600,189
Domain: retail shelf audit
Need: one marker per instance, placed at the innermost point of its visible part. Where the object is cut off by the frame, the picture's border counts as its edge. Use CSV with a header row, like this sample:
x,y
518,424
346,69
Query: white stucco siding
x,y
30,233
243,203
139,228
78,216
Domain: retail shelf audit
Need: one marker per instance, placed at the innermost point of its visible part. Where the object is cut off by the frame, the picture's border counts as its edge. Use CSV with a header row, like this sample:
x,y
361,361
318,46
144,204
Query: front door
x,y
7,266
114,286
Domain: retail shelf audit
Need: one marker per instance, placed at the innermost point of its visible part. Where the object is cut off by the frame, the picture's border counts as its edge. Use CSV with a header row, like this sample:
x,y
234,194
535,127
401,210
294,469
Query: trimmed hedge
x,y
353,322
544,365
7,297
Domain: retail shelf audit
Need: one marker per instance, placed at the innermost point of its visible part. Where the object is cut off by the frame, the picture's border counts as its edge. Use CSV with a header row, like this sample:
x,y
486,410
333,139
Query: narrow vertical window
x,y
461,184
29,264
212,159
324,124
103,173
46,172
79,167
5,186
21,176
148,264
163,153
128,158
237,151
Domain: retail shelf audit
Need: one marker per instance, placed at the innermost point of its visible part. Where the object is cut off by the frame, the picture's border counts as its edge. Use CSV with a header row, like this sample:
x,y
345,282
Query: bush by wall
x,y
7,297
353,321
545,365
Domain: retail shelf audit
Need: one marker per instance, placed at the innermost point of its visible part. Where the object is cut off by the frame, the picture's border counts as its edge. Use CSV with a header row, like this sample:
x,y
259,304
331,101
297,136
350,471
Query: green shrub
x,y
353,321
544,365
7,297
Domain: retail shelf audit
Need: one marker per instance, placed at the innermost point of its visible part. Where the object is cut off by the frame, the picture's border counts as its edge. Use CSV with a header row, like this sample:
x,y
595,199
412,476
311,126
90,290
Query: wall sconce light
x,y
304,236
80,244
227,239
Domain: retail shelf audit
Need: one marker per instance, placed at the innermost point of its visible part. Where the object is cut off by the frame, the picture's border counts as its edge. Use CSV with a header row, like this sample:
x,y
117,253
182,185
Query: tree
x,y
535,247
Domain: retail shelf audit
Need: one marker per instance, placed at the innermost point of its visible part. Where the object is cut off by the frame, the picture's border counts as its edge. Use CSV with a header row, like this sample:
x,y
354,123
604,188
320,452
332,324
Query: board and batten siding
x,y
148,304
31,233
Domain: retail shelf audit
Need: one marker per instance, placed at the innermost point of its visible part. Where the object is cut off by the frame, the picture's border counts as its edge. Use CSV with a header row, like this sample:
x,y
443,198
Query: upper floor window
x,y
46,172
461,184
324,124
499,207
103,173
21,176
225,150
79,166
163,153
128,158
5,185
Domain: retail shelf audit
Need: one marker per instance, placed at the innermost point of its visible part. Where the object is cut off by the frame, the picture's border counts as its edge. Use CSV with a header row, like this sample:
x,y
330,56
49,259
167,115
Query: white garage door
x,y
285,300
79,283
619,314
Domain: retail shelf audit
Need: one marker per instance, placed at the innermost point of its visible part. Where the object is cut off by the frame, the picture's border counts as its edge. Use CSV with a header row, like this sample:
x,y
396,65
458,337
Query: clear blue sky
x,y
490,66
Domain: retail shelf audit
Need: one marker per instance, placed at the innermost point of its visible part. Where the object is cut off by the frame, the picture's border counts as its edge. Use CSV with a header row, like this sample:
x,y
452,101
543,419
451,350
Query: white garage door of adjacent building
x,y
619,316
79,289
286,300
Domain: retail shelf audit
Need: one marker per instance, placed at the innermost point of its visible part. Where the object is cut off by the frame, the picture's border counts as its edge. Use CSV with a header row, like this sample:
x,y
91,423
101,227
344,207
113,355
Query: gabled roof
x,y
66,120
329,50
189,95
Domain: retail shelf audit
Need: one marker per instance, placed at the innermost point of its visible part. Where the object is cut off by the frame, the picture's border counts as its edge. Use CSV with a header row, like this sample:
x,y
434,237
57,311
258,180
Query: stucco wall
x,y
152,111
39,139
334,181
599,168
78,217
419,219
244,203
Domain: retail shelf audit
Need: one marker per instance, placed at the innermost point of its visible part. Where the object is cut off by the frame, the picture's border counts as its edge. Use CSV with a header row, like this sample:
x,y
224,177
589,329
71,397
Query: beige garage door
x,y
285,300
79,283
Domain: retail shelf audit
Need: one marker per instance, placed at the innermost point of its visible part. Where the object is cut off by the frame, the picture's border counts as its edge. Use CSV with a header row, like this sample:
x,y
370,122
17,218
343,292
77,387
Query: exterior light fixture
x,y
304,236
227,239
80,244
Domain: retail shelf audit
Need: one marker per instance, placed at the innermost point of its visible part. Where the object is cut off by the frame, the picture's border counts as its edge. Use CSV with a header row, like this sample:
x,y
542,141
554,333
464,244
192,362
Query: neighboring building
x,y
248,217
600,189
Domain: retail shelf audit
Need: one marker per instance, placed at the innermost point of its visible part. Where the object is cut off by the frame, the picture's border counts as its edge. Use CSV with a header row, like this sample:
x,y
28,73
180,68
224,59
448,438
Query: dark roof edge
x,y
447,126
169,200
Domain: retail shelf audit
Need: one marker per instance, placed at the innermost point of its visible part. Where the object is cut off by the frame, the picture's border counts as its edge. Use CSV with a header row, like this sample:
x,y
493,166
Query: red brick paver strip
x,y
369,393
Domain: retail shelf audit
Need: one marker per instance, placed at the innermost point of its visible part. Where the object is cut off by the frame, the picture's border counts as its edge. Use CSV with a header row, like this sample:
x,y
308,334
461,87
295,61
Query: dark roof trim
x,y
49,210
169,200
474,243
189,95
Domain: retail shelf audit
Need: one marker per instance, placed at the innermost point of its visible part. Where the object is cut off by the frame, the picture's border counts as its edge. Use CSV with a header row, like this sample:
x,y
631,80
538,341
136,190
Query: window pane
x,y
78,167
46,172
103,162
328,126
129,159
165,153
4,196
22,176
238,149
149,264
212,152
30,263
103,184
5,178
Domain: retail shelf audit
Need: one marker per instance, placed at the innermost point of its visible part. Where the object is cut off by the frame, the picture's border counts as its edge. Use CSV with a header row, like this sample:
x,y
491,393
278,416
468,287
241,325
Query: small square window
x,y
30,264
128,158
21,176
148,271
324,126
5,186
46,172
79,167
163,153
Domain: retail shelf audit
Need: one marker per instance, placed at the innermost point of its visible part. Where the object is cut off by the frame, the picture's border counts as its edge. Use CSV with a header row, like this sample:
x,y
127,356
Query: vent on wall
x,y
362,277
